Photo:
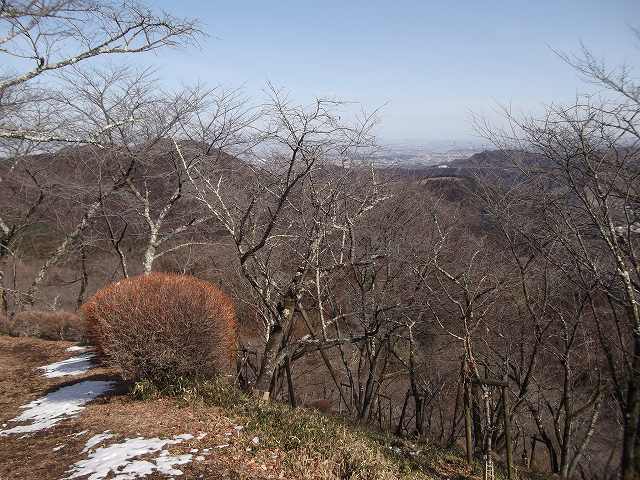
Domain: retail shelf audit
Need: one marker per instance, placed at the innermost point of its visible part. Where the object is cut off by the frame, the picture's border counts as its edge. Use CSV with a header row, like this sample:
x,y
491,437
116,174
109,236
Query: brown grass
x,y
292,443
58,325
163,326
33,457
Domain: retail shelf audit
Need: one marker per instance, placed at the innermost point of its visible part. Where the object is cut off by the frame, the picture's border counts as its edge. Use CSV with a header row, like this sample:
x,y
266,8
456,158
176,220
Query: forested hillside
x,y
486,306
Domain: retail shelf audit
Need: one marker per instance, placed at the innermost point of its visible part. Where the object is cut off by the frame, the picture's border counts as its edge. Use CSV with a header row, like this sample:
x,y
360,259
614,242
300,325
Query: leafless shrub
x,y
59,325
163,326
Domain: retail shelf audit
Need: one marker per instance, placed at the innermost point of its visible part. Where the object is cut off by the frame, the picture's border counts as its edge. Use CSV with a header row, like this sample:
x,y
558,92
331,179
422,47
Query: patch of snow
x,y
96,439
66,402
224,445
255,440
166,463
122,460
193,450
201,436
77,348
79,434
200,458
70,366
59,447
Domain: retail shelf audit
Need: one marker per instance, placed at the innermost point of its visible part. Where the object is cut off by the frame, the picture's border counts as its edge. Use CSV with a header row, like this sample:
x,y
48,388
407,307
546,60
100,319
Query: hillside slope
x,y
213,433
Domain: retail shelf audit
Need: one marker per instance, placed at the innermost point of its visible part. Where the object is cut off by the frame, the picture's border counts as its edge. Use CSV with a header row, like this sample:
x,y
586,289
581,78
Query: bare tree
x,y
53,35
586,198
108,169
48,41
301,156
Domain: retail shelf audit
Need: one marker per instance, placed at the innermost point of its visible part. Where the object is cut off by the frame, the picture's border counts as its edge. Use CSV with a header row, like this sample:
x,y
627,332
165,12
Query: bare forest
x,y
496,308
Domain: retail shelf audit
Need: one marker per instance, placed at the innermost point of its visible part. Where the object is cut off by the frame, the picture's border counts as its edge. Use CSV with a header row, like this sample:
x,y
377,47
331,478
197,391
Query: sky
x,y
430,65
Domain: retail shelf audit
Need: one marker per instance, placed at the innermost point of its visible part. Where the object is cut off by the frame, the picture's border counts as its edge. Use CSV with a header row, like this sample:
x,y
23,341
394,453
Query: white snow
x,y
122,460
96,439
77,348
66,402
55,449
70,366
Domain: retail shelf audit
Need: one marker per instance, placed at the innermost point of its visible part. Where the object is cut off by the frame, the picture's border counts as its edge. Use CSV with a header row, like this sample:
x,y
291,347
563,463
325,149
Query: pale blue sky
x,y
431,62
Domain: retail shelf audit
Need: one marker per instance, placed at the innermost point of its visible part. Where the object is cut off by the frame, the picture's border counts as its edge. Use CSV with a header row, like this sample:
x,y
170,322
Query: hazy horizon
x,y
429,65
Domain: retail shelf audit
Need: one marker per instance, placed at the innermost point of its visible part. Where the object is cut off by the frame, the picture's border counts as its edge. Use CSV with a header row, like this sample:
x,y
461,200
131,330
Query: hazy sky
x,y
431,62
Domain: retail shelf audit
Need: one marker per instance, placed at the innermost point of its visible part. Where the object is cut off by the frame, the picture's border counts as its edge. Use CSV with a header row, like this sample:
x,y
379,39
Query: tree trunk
x,y
149,257
291,389
419,406
268,366
272,348
84,280
403,413
4,303
476,416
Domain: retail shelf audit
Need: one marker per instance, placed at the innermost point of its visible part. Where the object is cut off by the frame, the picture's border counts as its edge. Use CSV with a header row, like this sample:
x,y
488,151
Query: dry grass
x,y
305,444
18,358
57,325
291,443
163,326
33,457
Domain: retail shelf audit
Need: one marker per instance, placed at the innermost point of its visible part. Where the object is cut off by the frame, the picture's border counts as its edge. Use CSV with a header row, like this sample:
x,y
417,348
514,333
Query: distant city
x,y
413,153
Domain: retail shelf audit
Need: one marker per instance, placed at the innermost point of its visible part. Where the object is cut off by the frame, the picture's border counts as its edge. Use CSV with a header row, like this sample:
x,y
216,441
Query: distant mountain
x,y
457,180
507,165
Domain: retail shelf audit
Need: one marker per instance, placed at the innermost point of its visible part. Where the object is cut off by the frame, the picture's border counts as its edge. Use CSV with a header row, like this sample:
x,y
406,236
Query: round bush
x,y
162,326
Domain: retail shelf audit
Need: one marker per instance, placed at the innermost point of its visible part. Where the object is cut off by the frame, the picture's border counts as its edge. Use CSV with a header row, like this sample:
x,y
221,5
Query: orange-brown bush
x,y
57,325
162,326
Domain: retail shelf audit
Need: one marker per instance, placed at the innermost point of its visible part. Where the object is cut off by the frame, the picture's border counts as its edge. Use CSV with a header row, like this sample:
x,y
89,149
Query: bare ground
x,y
33,457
